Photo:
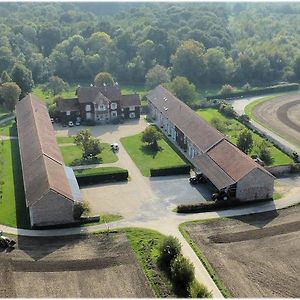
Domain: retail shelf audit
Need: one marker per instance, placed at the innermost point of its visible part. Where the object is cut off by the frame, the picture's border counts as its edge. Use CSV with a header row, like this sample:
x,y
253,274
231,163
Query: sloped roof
x,y
199,131
225,164
130,100
113,93
90,94
42,162
64,105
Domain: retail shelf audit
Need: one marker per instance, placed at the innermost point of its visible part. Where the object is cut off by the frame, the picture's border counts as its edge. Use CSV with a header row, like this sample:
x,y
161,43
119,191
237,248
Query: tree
x,y
245,141
226,89
157,75
10,93
5,77
151,135
104,78
264,153
189,61
183,89
169,248
296,67
182,273
23,78
90,146
56,85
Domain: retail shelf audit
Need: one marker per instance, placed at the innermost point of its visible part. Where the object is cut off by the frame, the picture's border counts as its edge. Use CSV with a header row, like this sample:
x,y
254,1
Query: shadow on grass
x,y
86,161
22,214
150,151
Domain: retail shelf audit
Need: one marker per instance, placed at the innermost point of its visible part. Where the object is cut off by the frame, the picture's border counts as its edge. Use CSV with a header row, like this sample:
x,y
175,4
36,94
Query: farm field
x,y
232,128
79,266
281,115
146,158
254,256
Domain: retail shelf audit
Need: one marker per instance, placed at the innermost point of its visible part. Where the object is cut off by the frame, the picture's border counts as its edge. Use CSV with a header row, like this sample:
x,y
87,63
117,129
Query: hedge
x,y
256,92
100,177
176,170
214,205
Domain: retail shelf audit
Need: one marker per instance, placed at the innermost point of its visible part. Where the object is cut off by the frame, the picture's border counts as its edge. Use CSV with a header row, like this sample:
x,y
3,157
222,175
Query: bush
x,y
226,89
256,92
182,274
79,209
168,250
197,290
176,170
86,179
227,110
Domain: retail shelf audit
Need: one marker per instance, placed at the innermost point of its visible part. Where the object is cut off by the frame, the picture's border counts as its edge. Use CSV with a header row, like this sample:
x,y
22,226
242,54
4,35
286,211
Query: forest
x,y
235,43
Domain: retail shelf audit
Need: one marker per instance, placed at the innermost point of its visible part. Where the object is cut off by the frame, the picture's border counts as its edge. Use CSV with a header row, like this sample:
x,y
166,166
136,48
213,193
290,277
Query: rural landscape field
x,y
149,149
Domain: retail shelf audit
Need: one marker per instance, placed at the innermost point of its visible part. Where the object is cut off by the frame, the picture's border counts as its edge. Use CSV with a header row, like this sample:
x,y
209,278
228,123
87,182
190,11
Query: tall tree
x,y
56,85
23,78
104,78
5,77
10,92
245,141
90,145
157,75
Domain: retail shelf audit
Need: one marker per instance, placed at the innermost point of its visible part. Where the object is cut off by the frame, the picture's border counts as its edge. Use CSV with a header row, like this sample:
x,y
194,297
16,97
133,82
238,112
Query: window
x,y
102,107
88,116
88,107
68,113
132,115
131,108
114,114
114,106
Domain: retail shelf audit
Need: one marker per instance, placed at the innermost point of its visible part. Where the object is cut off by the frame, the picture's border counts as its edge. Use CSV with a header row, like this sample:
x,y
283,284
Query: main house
x,y
228,168
99,104
50,187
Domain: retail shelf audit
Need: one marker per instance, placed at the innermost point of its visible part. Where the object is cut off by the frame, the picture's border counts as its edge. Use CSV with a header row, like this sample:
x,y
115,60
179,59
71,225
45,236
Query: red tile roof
x,y
42,162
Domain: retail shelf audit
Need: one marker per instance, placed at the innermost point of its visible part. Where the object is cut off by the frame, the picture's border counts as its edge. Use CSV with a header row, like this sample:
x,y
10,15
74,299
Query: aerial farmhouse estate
x,y
228,168
99,104
50,187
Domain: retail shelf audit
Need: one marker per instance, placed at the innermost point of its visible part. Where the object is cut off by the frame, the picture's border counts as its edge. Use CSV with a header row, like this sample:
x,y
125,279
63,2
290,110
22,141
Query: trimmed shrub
x,y
182,274
79,209
198,290
168,250
176,170
256,92
87,179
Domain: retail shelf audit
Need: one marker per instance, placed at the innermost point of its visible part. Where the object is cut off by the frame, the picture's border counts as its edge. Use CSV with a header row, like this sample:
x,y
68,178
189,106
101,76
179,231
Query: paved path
x,y
7,119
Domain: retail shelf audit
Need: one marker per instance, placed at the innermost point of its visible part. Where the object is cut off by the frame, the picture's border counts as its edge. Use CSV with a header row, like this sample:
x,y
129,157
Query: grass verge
x,y
204,260
145,243
146,158
105,218
232,128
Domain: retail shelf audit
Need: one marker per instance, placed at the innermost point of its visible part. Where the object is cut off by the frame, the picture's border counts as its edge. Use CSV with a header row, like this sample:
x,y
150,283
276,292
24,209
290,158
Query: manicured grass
x,y
8,128
146,158
97,171
73,155
233,127
105,218
13,211
65,139
204,260
145,243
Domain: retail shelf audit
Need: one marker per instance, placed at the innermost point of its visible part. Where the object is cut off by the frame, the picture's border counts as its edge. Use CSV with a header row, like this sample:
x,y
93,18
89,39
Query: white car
x,y
114,147
71,124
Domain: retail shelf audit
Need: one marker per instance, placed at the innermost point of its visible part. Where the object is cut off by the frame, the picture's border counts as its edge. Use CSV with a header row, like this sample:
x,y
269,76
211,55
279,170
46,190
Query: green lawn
x,y
3,112
8,129
105,218
73,155
13,211
145,243
145,158
65,140
232,128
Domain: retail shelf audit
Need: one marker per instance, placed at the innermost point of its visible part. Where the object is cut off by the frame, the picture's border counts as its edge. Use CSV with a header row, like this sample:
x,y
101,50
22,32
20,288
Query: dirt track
x,y
95,266
255,255
282,115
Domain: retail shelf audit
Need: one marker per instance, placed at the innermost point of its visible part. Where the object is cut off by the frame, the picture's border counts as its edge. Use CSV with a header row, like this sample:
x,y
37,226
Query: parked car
x,y
114,147
199,178
5,242
77,123
52,120
70,123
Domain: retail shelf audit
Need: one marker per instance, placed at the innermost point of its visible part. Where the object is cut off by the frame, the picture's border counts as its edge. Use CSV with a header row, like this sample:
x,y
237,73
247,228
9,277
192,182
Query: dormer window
x,y
114,105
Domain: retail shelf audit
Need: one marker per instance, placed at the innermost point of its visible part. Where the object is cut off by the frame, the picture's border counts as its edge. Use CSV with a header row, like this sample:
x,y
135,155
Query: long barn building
x,y
227,168
50,187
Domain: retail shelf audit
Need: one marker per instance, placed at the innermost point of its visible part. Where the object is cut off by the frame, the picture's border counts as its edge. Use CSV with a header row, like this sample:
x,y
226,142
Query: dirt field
x,y
281,115
256,255
95,266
